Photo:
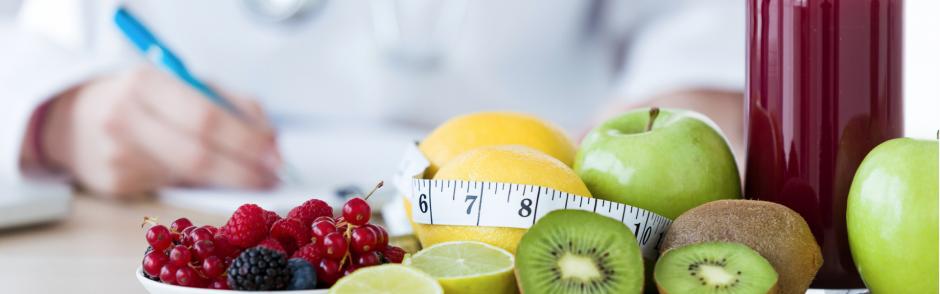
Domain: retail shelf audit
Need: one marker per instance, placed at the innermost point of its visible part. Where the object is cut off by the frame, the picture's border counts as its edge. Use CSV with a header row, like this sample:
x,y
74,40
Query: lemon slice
x,y
467,267
387,279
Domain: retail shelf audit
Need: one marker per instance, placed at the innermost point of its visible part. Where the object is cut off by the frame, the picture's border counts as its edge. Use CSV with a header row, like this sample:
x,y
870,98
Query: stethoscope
x,y
284,11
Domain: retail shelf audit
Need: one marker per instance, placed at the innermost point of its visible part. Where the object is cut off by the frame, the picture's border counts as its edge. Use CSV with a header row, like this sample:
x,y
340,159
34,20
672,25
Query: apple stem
x,y
654,112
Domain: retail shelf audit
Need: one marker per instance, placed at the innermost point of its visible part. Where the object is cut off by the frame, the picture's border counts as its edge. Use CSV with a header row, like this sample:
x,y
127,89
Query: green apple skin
x,y
891,216
680,163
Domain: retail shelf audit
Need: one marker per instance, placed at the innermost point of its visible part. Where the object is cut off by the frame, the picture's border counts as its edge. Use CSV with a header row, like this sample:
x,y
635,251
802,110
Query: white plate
x,y
155,287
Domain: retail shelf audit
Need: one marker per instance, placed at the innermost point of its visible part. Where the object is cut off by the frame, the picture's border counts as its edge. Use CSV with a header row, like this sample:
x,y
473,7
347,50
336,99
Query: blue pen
x,y
156,52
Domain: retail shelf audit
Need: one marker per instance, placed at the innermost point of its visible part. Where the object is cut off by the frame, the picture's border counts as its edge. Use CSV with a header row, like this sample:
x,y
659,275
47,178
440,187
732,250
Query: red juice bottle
x,y
823,89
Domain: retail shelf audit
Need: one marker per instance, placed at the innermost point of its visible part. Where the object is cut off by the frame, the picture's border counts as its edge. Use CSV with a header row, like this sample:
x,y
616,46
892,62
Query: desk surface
x,y
94,250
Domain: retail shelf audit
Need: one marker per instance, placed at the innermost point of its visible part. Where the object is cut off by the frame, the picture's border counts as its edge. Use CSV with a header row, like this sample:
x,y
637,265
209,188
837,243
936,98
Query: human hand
x,y
130,133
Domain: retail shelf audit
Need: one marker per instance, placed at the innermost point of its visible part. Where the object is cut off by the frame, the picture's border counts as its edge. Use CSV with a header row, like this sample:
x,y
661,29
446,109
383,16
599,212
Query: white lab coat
x,y
558,59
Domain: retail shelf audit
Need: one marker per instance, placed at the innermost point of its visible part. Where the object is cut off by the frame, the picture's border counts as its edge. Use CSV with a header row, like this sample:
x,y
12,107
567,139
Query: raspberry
x,y
291,232
393,254
310,210
310,252
270,217
272,244
247,226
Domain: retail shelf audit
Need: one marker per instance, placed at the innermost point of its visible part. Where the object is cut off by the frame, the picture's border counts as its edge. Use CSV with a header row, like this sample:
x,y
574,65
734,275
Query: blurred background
x,y
332,92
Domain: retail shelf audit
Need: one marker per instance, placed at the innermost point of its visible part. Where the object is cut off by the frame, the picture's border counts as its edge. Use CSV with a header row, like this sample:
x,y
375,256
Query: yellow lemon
x,y
468,132
507,164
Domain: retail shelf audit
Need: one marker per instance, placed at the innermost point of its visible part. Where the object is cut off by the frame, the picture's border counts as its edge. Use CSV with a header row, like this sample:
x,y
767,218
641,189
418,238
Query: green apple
x,y
666,161
891,216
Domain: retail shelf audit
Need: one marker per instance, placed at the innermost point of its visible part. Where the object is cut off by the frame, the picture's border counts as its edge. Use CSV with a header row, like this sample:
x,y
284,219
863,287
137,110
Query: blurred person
x,y
80,103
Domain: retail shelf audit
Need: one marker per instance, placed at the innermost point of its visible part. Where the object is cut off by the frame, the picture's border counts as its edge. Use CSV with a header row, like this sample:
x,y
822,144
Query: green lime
x,y
387,279
467,267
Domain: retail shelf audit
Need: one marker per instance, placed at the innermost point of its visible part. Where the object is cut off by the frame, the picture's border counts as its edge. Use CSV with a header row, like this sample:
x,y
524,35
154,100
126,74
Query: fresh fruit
x,y
219,284
311,252
328,271
666,161
270,218
509,164
367,259
389,279
180,224
273,244
320,229
259,269
153,262
393,254
471,131
356,211
336,246
168,274
892,217
213,266
715,267
291,233
159,237
382,235
303,276
186,276
246,227
467,267
180,256
776,232
310,210
203,249
579,251
363,240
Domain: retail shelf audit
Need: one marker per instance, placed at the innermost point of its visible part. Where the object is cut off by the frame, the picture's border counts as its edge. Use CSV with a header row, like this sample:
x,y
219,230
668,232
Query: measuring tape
x,y
491,204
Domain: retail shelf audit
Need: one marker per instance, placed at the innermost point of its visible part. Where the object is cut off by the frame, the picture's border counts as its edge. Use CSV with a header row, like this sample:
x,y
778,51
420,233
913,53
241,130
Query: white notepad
x,y
326,159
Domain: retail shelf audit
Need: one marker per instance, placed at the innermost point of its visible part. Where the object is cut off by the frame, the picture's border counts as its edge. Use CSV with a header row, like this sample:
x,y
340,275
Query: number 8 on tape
x,y
489,204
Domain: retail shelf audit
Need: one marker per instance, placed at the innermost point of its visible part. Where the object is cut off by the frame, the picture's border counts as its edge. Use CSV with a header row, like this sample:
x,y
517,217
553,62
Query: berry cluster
x,y
258,250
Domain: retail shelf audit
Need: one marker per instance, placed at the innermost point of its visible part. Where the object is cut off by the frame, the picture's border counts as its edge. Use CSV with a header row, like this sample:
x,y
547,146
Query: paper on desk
x,y
327,159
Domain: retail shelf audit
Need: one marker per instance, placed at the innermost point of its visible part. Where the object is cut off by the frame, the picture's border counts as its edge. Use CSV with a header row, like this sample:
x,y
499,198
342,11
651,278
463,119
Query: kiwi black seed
x,y
713,268
573,251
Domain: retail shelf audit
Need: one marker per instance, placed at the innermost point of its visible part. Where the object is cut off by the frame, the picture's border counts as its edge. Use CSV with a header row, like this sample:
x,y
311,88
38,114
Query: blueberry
x,y
303,276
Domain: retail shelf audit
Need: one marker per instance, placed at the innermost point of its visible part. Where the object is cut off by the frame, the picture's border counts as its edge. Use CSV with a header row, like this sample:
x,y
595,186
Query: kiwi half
x,y
715,267
778,233
574,251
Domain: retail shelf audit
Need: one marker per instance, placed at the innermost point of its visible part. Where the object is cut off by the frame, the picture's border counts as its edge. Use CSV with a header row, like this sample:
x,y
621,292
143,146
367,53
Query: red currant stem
x,y
148,220
343,261
377,186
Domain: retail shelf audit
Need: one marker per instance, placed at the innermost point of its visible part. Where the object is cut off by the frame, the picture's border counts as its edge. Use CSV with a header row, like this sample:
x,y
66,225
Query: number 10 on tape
x,y
470,203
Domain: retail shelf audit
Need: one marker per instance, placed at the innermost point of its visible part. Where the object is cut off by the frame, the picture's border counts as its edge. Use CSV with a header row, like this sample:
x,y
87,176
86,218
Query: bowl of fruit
x,y
305,251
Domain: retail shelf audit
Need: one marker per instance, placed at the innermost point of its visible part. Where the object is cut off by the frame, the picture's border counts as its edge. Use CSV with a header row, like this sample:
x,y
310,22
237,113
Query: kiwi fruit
x,y
574,251
773,230
714,267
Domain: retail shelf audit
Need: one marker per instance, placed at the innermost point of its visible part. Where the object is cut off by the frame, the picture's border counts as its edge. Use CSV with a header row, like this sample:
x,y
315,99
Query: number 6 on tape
x,y
469,203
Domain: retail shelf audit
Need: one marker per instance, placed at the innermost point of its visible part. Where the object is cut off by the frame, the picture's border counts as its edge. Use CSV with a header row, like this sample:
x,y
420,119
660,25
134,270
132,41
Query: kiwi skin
x,y
773,230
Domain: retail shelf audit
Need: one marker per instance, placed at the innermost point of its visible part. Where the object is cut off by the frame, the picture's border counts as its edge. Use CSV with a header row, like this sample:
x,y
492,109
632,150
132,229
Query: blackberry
x,y
259,269
303,276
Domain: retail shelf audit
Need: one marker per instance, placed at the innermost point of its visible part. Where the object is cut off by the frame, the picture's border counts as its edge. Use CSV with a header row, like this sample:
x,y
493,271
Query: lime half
x,y
387,279
467,267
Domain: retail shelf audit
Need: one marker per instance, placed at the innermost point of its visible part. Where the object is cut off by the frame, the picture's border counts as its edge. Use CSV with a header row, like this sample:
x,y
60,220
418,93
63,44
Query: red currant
x,y
212,230
223,248
319,229
335,245
328,272
363,239
186,276
324,218
200,234
180,256
213,266
153,261
349,269
187,239
180,224
204,249
221,283
159,237
367,259
357,211
168,274
382,240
